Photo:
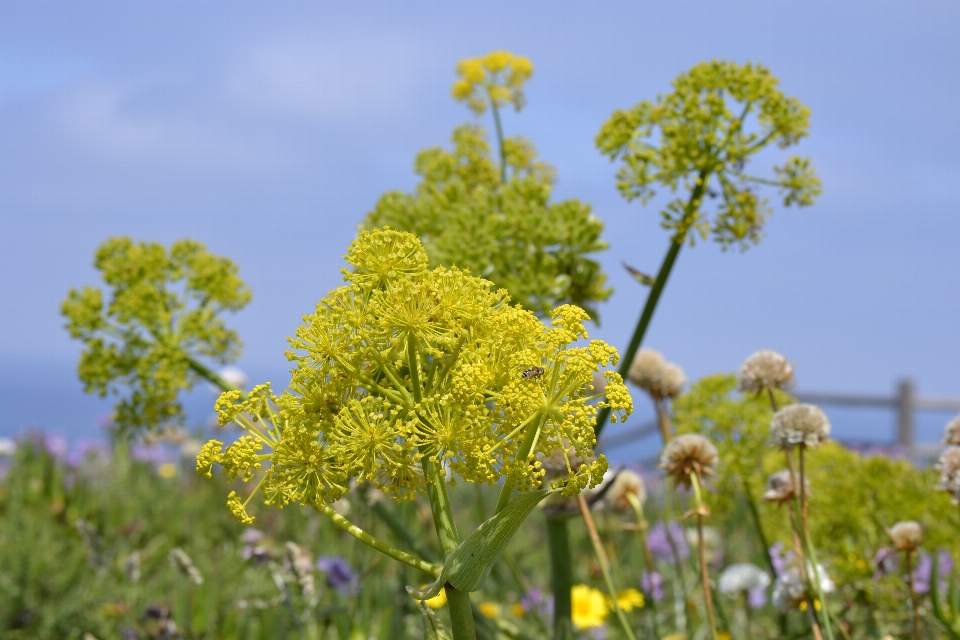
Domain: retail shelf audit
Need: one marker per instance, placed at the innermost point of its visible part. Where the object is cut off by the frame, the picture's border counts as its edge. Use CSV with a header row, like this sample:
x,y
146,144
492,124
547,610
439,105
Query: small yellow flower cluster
x,y
497,77
404,365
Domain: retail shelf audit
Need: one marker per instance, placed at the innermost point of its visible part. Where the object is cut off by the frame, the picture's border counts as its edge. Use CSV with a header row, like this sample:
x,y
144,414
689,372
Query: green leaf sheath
x,y
469,564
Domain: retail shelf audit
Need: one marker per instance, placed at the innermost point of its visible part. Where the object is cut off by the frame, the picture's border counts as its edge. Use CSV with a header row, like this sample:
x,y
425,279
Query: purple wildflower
x,y
924,568
780,559
659,540
652,585
535,600
339,574
757,598
149,454
887,561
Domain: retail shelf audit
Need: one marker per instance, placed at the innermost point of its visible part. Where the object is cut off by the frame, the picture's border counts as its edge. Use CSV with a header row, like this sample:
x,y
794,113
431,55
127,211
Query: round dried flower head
x,y
799,423
906,536
741,578
646,368
763,370
672,381
949,468
781,487
951,433
652,373
688,453
622,484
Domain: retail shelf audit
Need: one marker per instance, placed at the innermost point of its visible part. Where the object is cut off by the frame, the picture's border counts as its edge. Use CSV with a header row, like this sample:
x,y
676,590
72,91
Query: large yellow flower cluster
x,y
405,364
498,77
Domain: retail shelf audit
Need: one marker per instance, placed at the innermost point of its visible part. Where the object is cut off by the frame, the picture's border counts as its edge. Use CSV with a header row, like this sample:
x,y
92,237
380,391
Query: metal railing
x,y
905,402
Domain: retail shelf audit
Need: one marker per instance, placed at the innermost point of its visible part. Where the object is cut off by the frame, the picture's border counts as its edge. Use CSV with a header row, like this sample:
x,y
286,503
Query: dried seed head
x,y
949,469
763,370
672,381
781,487
799,423
646,368
622,483
906,536
951,433
741,578
656,376
686,454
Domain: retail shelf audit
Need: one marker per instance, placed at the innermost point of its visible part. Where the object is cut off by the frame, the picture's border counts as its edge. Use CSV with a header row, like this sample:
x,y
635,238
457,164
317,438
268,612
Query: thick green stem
x,y
693,204
212,376
379,545
604,565
461,613
528,439
561,575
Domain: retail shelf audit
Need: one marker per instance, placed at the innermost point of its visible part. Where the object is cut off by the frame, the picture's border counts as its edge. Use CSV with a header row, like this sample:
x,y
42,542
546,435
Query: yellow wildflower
x,y
628,599
167,470
437,601
518,610
589,607
489,609
405,364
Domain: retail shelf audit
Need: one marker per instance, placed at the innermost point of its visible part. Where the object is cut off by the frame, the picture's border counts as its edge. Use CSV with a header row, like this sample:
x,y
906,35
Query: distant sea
x,y
49,397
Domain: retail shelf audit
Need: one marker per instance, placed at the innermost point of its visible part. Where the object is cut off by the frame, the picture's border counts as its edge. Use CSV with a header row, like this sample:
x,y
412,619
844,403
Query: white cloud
x,y
339,79
104,120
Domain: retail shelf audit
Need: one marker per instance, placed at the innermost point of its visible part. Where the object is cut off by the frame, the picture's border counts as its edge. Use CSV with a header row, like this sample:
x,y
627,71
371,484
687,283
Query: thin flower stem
x,y
704,571
503,148
604,565
811,551
379,545
663,421
913,593
758,526
647,556
682,612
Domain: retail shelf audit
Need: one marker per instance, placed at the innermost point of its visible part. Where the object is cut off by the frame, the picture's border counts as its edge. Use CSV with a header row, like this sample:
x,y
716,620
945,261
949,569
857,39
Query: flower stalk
x,y
700,511
601,555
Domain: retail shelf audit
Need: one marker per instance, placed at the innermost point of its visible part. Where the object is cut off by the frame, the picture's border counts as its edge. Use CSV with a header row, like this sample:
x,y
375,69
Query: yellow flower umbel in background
x,y
498,78
589,607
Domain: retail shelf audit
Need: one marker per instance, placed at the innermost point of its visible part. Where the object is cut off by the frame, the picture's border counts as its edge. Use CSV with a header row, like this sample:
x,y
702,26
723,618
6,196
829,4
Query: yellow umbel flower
x,y
403,365
589,607
498,78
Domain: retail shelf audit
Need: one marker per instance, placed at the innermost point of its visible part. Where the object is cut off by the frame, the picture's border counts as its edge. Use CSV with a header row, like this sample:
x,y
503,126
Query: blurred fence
x,y
905,402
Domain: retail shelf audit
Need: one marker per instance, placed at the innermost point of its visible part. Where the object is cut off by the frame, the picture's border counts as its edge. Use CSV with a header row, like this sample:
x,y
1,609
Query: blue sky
x,y
267,130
